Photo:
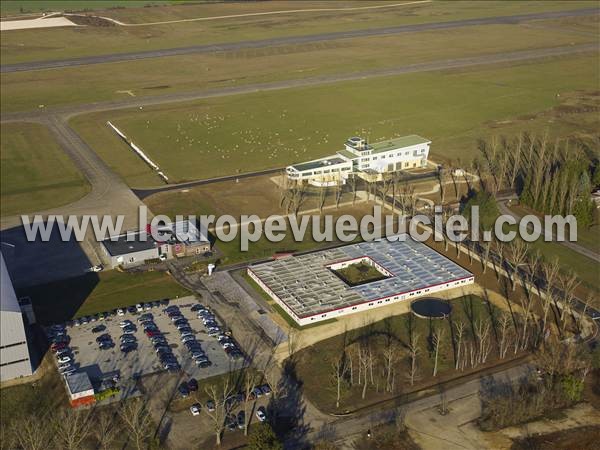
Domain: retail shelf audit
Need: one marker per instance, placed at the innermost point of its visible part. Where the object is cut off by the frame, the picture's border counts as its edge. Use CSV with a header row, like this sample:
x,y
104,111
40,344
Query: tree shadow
x,y
287,411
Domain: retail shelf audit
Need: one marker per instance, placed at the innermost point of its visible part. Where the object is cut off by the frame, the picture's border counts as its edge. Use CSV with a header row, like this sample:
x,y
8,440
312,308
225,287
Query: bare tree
x,y
322,195
518,254
136,418
338,192
30,433
390,355
293,341
504,323
352,181
250,381
71,428
438,336
340,369
105,429
365,361
460,330
414,351
219,395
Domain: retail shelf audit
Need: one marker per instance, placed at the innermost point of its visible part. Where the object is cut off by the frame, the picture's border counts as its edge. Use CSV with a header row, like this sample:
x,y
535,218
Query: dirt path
x,y
265,13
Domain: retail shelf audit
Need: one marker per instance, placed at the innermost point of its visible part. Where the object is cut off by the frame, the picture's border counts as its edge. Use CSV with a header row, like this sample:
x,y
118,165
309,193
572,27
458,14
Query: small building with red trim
x,y
80,389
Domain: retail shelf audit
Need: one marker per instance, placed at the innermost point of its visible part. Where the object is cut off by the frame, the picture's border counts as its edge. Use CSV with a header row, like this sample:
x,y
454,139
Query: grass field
x,y
15,7
226,135
27,90
36,174
44,44
314,363
95,293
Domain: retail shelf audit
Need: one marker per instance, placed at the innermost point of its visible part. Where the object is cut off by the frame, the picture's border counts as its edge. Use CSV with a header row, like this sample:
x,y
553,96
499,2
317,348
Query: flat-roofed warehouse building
x,y
14,352
309,289
364,159
181,238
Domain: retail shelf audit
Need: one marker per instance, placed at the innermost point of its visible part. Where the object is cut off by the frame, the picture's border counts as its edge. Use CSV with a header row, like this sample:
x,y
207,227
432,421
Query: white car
x,y
139,307
163,257
261,414
120,312
97,268
64,359
195,409
64,367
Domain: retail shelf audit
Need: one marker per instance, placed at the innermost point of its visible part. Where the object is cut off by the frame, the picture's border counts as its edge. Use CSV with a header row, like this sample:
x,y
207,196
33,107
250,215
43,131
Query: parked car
x,y
58,346
257,391
129,330
131,310
197,307
129,347
210,406
120,312
98,328
139,307
192,384
203,364
261,414
266,389
187,338
125,323
103,337
195,409
105,345
97,268
241,420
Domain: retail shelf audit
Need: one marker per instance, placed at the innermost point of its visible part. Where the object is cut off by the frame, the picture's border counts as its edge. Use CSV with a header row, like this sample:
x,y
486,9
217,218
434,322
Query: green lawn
x,y
35,173
48,44
118,81
94,293
224,135
16,7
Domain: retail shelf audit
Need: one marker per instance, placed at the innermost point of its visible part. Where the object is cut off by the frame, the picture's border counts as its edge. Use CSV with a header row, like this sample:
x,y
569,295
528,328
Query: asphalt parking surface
x,y
144,361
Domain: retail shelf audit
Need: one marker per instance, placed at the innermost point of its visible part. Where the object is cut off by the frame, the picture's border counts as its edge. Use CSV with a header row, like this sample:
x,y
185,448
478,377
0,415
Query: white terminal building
x,y
310,289
369,161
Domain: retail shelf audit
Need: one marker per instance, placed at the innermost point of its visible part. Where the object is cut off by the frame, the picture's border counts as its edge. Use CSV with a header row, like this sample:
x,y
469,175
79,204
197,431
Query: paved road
x,y
109,194
571,245
292,40
345,430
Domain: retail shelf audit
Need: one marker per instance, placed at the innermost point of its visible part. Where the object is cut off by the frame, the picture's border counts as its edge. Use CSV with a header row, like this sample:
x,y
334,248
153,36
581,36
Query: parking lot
x,y
144,358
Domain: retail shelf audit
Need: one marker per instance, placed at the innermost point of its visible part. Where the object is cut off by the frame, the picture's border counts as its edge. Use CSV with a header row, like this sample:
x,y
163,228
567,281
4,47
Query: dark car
x,y
192,384
105,345
99,329
203,364
183,389
126,348
131,310
103,337
241,419
197,307
231,422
